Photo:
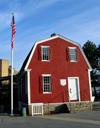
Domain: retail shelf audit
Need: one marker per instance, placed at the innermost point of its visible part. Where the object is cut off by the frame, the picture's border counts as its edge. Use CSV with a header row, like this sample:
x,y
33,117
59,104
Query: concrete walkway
x,y
96,105
89,119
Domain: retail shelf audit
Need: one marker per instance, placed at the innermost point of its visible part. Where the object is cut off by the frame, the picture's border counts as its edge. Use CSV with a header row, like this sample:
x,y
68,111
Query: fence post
x,y
32,109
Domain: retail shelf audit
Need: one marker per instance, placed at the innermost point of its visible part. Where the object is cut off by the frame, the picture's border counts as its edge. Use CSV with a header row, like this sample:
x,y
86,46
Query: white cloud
x,y
20,10
4,21
6,18
79,26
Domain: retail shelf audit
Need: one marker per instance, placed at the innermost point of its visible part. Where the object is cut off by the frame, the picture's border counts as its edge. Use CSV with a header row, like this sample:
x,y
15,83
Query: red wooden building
x,y
55,71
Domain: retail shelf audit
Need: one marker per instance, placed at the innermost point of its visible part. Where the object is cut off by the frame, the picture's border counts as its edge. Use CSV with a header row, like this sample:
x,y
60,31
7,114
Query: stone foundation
x,y
55,108
67,107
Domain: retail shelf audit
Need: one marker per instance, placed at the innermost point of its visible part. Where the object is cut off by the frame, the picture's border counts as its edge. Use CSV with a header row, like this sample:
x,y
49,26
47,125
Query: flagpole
x,y
12,46
11,82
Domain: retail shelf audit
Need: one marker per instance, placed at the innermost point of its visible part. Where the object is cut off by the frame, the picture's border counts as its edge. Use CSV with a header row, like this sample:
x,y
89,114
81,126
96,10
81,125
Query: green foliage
x,y
98,51
90,50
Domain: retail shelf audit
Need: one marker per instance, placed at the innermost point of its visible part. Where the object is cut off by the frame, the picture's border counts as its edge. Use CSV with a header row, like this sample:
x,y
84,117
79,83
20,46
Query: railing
x,y
68,95
86,95
37,108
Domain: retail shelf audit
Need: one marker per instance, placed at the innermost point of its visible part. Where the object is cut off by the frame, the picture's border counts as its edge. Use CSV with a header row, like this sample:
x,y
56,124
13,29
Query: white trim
x,y
47,93
51,38
72,47
70,41
45,46
78,86
70,54
72,61
50,84
35,104
46,74
46,60
35,45
28,85
28,70
47,54
90,84
90,68
47,39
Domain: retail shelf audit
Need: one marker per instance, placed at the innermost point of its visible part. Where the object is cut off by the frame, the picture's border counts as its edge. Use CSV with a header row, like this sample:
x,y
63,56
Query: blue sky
x,y
78,20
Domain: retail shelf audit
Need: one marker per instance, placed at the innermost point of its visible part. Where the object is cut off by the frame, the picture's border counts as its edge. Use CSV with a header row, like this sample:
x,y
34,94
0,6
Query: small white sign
x,y
63,82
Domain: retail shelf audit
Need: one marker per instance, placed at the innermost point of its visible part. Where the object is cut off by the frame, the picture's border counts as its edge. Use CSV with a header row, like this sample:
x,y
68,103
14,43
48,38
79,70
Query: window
x,y
46,84
45,53
72,54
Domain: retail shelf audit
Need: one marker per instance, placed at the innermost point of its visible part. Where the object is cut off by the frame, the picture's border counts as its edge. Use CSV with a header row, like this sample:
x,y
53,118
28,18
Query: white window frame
x,y
45,75
70,54
42,53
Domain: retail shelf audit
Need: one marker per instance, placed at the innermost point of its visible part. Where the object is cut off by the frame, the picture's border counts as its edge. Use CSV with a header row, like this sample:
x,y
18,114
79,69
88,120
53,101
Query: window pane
x,y
73,54
46,83
45,53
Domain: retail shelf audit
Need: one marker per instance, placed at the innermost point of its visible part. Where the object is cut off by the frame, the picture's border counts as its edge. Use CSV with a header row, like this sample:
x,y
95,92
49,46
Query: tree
x,y
89,49
98,51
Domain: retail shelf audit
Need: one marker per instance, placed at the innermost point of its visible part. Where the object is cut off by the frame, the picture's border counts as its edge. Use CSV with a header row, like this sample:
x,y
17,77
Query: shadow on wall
x,y
61,109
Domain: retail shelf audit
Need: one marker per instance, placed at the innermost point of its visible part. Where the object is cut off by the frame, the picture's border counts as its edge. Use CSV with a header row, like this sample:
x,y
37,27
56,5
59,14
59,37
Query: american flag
x,y
13,30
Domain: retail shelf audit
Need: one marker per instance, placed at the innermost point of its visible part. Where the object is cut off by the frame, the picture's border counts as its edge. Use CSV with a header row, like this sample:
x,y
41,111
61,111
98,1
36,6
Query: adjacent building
x,y
5,84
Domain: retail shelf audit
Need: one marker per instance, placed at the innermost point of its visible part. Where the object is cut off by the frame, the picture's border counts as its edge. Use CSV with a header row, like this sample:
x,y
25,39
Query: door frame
x,y
78,86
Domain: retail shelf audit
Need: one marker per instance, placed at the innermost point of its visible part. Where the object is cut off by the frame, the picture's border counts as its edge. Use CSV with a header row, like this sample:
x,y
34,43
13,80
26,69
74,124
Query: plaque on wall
x,y
63,82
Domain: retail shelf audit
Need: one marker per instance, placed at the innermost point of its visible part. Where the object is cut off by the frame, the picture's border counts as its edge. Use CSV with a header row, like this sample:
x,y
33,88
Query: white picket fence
x,y
37,109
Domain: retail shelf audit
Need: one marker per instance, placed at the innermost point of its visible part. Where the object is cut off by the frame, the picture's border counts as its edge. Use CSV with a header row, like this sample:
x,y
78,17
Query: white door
x,y
73,88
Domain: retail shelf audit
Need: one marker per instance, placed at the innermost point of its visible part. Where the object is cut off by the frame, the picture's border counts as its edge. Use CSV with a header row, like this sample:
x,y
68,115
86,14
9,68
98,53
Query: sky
x,y
77,20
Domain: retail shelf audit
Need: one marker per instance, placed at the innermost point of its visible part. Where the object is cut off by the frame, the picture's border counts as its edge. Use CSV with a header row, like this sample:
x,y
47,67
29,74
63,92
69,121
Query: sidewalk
x,y
96,105
89,119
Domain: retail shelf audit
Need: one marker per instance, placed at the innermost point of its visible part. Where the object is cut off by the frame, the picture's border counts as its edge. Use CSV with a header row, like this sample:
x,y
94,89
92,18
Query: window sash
x,y
45,53
73,54
46,84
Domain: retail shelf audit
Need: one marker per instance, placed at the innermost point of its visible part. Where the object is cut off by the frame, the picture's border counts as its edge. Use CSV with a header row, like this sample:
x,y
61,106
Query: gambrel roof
x,y
28,58
54,37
